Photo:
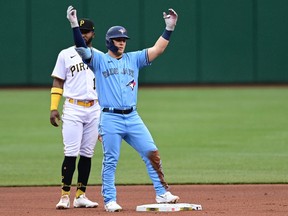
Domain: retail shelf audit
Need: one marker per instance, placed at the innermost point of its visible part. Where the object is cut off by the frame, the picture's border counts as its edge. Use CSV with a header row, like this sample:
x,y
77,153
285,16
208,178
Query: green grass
x,y
205,135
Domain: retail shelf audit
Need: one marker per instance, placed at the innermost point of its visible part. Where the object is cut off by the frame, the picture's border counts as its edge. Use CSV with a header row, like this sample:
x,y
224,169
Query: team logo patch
x,y
132,84
82,22
122,31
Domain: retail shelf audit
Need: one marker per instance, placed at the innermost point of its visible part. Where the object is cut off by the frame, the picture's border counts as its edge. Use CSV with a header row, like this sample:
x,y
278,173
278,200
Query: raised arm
x,y
163,41
81,47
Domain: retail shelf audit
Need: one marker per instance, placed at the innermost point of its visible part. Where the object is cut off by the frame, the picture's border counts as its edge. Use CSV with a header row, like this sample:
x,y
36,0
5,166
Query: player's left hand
x,y
170,19
72,16
100,138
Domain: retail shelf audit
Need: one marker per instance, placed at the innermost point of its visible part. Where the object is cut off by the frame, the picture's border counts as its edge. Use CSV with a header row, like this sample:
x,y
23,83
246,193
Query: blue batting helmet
x,y
115,32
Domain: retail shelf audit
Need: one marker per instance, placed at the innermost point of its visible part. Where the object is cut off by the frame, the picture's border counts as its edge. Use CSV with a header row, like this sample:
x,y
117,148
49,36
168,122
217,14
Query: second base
x,y
169,207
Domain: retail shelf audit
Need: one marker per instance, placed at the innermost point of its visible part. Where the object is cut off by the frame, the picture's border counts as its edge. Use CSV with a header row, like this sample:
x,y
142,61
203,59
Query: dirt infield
x,y
218,200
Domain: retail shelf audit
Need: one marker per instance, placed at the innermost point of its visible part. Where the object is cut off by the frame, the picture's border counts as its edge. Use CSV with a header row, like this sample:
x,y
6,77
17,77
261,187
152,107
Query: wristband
x,y
56,94
166,34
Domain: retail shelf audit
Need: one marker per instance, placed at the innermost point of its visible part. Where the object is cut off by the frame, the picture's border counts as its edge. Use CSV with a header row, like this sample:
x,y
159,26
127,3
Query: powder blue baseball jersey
x,y
117,80
117,86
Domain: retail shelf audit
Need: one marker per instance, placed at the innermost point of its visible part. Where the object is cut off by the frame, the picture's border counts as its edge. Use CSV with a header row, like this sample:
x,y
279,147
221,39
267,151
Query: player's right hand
x,y
72,16
55,118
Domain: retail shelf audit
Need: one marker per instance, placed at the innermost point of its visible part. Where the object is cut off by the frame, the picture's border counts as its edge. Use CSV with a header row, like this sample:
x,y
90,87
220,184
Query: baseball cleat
x,y
64,202
113,207
83,202
167,198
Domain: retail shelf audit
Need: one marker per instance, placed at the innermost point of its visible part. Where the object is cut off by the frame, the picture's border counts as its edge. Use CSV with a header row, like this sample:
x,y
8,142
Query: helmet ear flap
x,y
110,45
107,40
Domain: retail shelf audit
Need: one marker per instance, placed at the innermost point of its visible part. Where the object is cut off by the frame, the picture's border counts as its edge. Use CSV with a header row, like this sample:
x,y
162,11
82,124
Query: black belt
x,y
127,111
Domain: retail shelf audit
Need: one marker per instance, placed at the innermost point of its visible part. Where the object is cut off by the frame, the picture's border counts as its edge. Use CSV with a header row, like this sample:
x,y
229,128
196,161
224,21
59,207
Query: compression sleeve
x,y
78,40
56,94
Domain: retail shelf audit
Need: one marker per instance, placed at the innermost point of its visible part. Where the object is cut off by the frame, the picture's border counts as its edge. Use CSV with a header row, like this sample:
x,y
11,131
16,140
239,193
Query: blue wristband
x,y
166,34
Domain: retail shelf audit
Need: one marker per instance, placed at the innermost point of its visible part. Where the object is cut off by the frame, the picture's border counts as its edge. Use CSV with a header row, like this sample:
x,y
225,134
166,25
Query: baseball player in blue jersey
x,y
117,85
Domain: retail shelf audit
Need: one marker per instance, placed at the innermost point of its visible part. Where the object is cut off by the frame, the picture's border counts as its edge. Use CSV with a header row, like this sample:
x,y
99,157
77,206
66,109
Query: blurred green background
x,y
215,41
205,135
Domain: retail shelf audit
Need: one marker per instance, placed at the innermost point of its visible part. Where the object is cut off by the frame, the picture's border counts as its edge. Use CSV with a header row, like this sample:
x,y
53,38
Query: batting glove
x,y
170,19
85,53
72,16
